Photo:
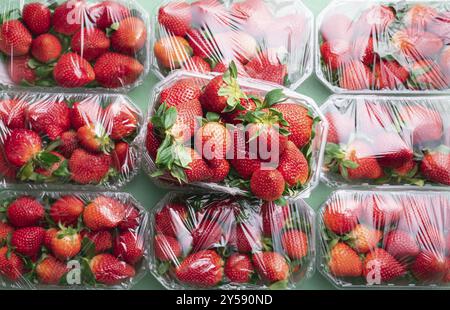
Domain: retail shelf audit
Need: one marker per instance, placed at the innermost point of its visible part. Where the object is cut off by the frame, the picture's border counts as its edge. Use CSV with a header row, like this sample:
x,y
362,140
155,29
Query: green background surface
x,y
148,194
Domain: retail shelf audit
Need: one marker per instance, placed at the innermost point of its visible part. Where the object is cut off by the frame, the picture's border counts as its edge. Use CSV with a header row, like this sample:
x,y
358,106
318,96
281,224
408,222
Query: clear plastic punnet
x,y
233,135
216,241
384,46
72,240
77,44
269,40
377,140
60,140
386,239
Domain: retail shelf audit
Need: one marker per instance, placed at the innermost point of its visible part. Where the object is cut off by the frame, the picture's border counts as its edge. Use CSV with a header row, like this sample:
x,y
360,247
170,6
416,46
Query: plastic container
x,y
384,47
386,239
72,240
387,140
86,45
270,40
215,241
311,139
61,140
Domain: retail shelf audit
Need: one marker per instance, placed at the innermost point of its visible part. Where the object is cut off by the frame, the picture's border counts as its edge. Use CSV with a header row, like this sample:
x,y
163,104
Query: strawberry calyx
x,y
231,90
336,158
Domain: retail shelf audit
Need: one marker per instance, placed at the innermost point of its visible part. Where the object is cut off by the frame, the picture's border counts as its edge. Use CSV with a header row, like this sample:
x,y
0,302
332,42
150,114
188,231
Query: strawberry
x,y
103,213
109,270
37,17
171,52
336,53
293,166
389,74
130,37
426,74
246,166
222,67
242,47
50,270
356,76
55,166
7,171
425,124
196,64
364,50
152,141
28,240
87,168
15,39
201,44
239,268
124,119
212,141
129,246
268,67
171,220
344,261
381,211
393,151
12,113
49,119
248,237
419,16
295,244
25,211
66,243
341,216
46,48
435,165
267,184
113,70
94,138
417,45
122,157
5,231
406,170
400,244
90,43
385,266
69,17
207,234
131,219
429,267
181,92
375,20
66,210
175,17
104,14
11,266
85,112
167,248
21,146
247,104
20,72
336,26
69,143
271,266
363,238
201,269
340,127
197,170
274,218
49,235
220,168
73,71
102,240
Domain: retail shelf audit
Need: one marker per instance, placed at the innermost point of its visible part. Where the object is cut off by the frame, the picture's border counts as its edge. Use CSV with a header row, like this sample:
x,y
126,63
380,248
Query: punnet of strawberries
x,y
266,40
51,139
386,238
71,240
218,241
387,140
73,44
390,46
233,135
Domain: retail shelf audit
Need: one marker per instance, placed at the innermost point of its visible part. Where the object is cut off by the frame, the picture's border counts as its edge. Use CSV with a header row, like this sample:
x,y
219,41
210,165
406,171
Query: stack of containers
x,y
389,227
68,140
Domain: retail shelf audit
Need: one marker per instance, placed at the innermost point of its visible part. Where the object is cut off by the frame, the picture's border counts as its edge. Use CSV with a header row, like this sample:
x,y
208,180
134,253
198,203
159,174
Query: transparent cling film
x,y
216,241
60,140
384,47
72,240
386,238
77,44
268,39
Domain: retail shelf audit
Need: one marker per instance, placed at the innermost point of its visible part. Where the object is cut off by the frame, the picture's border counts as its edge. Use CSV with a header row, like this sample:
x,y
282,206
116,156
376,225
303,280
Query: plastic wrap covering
x,y
83,44
384,46
224,242
72,240
62,140
386,239
268,39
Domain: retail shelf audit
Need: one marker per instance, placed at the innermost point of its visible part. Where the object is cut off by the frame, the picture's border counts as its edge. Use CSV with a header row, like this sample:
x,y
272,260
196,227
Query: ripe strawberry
x,y
175,17
49,119
50,270
336,26
293,166
25,211
274,218
28,240
69,143
106,13
49,235
336,53
429,267
87,168
419,16
271,266
222,67
344,261
171,52
114,70
201,269
239,268
267,184
267,137
5,231
15,39
69,17
248,237
201,44
171,220
66,210
37,17
363,238
90,43
7,171
356,76
66,244
389,74
152,141
20,72
393,151
406,169
426,74
12,113
122,157
246,166
383,264
220,168
103,213
167,248
207,234
129,246
196,64
73,71
94,138
267,66
181,92
375,20
109,270
241,46
424,123
11,266
417,45
46,48
381,211
364,50
102,240
131,219
295,244
130,37
197,170
247,104
85,112
123,118
400,244
212,141
435,165
21,146
341,216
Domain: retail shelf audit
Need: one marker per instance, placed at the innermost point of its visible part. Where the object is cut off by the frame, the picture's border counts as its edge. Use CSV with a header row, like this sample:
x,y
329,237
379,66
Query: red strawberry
x,y
20,72
21,146
131,220
273,218
175,17
49,234
383,264
390,74
73,71
223,65
241,46
5,231
267,184
424,123
197,170
336,26
271,266
171,220
392,150
356,76
12,113
49,119
66,210
94,138
417,45
106,13
426,74
25,211
152,141
69,143
207,234
69,17
50,270
37,17
122,157
295,244
220,168
382,210
28,240
363,238
248,237
130,37
341,215
246,166
11,266
66,244
85,112
344,261
109,270
364,50
90,43
429,267
7,171
266,135
123,118
55,167
113,70
201,269
435,165
202,46
181,92
400,244
266,66
212,141
46,48
87,168
197,64
129,246
247,104
336,53
239,268
15,39
167,248
103,213
293,166
102,240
